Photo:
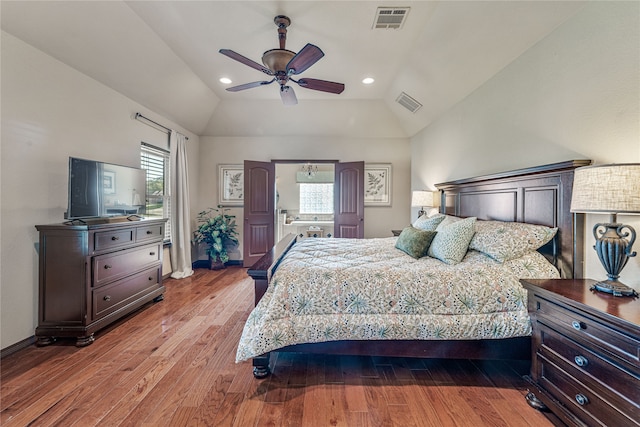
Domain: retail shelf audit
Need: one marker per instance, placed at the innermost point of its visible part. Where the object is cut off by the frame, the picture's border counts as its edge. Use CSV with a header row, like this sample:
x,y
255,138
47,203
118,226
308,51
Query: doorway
x,y
304,200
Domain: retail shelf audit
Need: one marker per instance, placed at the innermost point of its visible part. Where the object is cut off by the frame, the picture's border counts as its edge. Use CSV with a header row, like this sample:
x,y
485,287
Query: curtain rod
x,y
139,116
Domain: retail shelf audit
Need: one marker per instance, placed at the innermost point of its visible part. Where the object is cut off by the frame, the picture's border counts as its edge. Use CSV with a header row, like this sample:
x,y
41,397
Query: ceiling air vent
x,y
390,17
408,102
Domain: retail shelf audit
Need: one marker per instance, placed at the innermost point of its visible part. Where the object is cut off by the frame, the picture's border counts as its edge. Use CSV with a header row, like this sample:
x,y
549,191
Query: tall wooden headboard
x,y
537,195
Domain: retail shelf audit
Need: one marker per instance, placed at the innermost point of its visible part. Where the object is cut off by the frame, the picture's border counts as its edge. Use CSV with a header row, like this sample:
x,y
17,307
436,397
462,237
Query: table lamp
x,y
425,199
612,189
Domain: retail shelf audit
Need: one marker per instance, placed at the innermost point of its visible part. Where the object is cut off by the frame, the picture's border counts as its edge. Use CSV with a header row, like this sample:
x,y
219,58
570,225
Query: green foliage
x,y
155,186
217,229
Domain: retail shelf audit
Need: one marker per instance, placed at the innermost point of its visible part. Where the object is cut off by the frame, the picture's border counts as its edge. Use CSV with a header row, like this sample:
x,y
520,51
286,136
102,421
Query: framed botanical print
x,y
377,184
231,185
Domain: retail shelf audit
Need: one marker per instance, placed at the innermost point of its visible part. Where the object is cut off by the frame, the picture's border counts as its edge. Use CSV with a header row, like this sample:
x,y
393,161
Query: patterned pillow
x,y
448,219
504,241
415,242
451,242
428,223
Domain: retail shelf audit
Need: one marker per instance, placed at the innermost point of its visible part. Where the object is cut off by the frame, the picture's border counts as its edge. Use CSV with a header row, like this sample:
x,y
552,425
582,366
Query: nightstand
x,y
585,361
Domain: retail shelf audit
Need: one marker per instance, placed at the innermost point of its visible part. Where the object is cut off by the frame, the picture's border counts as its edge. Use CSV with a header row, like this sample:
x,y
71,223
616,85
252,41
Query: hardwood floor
x,y
173,364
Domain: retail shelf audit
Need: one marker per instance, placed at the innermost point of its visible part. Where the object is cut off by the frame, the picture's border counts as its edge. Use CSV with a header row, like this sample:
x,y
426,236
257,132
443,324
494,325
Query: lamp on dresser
x,y
425,199
613,189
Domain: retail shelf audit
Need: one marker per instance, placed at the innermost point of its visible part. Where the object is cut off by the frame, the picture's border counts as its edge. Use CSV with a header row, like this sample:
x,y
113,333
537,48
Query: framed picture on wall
x,y
231,185
109,182
377,184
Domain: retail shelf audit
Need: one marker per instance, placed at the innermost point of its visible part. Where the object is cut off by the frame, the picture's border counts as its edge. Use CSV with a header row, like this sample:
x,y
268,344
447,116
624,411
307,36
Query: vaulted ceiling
x,y
164,55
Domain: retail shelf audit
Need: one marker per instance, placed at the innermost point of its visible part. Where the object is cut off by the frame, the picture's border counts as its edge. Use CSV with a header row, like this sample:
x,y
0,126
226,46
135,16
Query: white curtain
x,y
180,214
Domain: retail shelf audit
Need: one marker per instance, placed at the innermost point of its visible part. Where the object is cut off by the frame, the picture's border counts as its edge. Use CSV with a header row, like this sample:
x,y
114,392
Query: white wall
x,y
574,95
378,221
50,112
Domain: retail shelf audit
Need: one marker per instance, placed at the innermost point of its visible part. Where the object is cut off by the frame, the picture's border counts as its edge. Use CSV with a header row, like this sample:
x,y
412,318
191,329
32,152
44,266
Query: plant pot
x,y
216,264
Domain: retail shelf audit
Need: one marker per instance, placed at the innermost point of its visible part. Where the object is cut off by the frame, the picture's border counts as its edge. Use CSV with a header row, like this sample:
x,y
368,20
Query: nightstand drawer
x,y
583,402
588,332
619,387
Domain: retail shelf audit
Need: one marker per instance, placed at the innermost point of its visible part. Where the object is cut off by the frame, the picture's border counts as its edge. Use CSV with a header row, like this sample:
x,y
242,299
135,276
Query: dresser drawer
x,y
112,239
152,232
618,386
589,332
113,266
586,404
111,298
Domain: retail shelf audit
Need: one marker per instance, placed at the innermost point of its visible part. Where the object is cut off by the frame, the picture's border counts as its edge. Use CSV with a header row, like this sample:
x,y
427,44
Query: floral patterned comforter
x,y
366,289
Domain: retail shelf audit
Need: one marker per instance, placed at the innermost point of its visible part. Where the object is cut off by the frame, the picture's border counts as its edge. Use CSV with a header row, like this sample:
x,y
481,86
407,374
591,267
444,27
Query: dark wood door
x,y
259,210
349,200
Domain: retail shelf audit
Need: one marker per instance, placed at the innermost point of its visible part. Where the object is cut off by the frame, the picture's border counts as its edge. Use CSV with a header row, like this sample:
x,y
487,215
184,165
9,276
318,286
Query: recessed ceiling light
x,y
368,80
225,80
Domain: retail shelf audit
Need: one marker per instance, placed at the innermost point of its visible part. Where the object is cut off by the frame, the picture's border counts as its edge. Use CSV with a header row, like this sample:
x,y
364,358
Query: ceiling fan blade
x,y
246,61
288,95
309,55
321,85
249,85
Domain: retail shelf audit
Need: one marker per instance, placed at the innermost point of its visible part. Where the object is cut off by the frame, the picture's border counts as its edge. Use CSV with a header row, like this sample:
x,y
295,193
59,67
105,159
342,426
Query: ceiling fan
x,y
282,64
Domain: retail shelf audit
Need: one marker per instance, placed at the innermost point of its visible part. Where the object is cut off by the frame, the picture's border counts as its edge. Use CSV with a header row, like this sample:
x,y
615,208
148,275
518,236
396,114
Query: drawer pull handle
x,y
107,266
150,278
152,253
581,361
115,238
107,298
578,326
581,399
149,232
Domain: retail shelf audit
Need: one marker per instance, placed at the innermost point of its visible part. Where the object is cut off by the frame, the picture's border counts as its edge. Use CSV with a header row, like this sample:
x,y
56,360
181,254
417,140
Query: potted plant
x,y
217,229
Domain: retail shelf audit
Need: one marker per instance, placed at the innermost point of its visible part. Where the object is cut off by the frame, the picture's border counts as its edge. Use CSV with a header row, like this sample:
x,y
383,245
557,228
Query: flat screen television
x,y
99,189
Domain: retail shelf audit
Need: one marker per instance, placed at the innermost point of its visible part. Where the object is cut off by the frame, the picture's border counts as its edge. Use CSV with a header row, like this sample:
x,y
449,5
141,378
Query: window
x,y
158,204
316,198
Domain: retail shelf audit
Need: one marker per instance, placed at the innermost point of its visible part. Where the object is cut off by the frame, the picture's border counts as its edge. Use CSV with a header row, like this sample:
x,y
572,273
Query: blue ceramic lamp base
x,y
614,251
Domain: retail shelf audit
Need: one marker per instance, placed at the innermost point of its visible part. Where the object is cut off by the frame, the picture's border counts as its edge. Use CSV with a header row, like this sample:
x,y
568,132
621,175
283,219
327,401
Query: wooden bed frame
x,y
538,195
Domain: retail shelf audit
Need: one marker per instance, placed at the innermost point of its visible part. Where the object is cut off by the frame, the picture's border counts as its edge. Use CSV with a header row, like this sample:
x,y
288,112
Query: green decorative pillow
x,y
504,241
452,241
428,223
415,242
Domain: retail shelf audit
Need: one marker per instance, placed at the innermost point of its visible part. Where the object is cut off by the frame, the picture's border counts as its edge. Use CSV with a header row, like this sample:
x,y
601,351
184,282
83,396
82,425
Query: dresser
x,y
585,364
93,274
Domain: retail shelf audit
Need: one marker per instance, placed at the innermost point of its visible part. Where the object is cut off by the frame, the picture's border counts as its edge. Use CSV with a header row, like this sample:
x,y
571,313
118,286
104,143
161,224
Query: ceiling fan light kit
x,y
277,59
282,64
